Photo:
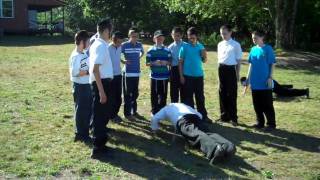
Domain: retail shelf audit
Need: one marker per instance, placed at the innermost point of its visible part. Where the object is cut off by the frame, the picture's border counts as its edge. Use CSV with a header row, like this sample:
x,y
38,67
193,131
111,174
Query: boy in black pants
x,y
101,75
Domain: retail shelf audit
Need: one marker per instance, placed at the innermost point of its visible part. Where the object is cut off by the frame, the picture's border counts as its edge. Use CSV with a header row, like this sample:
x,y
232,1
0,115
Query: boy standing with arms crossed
x,y
101,75
79,75
191,57
132,51
158,58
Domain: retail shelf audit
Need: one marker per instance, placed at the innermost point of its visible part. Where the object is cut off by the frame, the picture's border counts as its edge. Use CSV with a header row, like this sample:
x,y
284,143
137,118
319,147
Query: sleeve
x,y
159,116
201,46
74,66
271,58
182,53
99,54
238,52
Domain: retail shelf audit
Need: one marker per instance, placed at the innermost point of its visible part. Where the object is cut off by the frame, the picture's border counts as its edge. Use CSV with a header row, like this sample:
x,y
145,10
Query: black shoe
x,y
79,138
258,126
234,123
307,93
117,119
130,118
222,120
99,152
218,155
269,128
138,116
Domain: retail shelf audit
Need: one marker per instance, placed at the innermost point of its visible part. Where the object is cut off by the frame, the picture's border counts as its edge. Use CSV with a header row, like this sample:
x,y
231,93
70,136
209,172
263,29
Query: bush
x,y
211,40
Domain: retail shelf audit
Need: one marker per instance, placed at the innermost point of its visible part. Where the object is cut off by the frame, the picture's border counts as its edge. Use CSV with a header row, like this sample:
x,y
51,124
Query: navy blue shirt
x,y
132,53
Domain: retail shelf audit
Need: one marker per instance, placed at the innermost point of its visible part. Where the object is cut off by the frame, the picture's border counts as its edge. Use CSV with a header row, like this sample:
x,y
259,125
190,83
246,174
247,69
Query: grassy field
x,y
36,125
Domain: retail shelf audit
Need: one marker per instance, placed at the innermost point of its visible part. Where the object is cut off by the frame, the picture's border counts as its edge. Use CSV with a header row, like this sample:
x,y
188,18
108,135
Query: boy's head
x,y
243,81
104,28
133,35
258,37
176,34
158,37
192,35
82,38
117,38
226,32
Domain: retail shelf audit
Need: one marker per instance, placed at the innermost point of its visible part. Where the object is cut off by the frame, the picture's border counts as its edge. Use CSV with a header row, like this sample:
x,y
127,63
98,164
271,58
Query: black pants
x,y
82,97
228,92
159,90
188,126
175,85
285,91
101,113
263,106
115,96
130,94
194,86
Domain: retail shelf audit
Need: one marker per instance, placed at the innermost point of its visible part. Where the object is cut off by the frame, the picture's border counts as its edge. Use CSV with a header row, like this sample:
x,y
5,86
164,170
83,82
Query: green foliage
x,y
211,40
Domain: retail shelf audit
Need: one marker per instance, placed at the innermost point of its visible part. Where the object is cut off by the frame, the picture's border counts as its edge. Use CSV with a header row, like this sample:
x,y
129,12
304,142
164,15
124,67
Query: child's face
x,y
257,39
133,37
106,34
176,36
84,44
117,42
225,34
159,40
192,38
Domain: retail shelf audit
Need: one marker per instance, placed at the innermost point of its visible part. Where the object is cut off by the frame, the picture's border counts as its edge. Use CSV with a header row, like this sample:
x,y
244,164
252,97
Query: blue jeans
x,y
83,108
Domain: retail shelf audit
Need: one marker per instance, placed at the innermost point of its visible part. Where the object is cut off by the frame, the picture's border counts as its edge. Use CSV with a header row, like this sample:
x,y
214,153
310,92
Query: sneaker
x,y
217,155
117,119
307,93
258,126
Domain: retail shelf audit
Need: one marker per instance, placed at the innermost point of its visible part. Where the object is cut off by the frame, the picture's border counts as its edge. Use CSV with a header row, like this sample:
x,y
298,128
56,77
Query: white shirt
x,y
172,112
78,61
99,54
229,52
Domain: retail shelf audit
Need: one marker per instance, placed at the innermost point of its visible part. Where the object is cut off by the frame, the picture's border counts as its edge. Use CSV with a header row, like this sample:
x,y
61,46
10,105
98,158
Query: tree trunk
x,y
284,25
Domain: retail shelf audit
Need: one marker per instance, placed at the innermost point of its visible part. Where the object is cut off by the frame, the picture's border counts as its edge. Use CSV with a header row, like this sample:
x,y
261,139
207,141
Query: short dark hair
x,y
132,30
192,31
117,35
177,30
103,25
81,35
259,33
226,27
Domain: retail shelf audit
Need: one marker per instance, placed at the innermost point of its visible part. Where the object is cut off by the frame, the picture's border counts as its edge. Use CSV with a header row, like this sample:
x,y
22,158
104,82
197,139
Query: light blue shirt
x,y
175,49
115,55
191,55
261,60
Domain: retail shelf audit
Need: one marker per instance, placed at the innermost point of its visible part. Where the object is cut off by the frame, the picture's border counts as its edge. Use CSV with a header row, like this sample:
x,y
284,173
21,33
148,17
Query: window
x,y
6,8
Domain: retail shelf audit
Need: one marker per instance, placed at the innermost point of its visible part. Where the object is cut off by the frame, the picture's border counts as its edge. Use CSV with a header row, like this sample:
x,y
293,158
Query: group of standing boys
x,y
98,80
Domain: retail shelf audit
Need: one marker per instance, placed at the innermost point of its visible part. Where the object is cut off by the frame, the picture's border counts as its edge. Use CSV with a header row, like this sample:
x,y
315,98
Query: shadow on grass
x,y
159,157
279,139
25,41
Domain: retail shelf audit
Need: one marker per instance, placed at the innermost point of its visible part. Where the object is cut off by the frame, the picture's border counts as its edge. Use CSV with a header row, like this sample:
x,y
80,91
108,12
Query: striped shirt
x,y
160,72
132,53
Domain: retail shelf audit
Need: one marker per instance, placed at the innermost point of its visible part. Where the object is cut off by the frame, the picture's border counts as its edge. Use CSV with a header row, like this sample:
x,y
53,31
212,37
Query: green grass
x,y
36,126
